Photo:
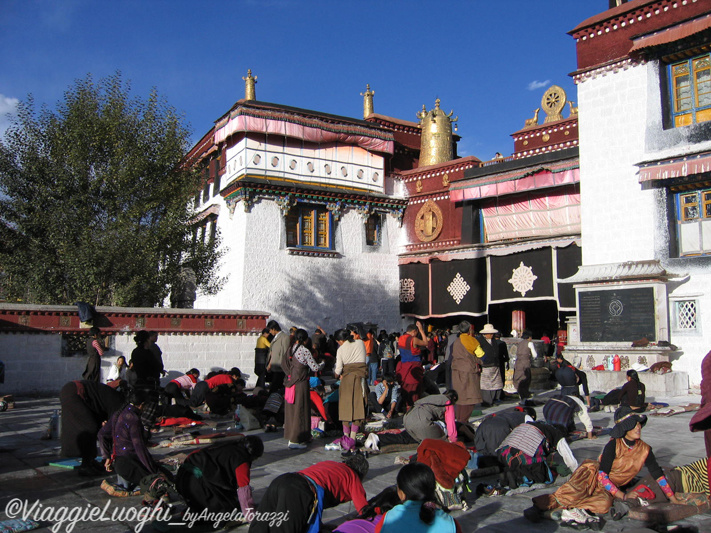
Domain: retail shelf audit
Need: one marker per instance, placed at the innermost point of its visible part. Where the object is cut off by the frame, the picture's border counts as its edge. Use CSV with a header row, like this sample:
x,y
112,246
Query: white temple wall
x,y
34,362
304,291
620,125
616,215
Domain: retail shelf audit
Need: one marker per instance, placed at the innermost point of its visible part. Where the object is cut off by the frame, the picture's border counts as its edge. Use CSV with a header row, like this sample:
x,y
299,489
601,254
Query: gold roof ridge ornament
x,y
436,138
368,108
249,82
553,102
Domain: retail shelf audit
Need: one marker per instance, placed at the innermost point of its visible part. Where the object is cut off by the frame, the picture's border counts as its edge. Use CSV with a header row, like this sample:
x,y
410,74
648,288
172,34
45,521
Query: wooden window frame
x,y
702,219
309,226
696,113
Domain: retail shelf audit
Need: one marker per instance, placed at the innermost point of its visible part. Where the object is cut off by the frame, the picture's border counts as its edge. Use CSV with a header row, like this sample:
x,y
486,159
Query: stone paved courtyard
x,y
24,472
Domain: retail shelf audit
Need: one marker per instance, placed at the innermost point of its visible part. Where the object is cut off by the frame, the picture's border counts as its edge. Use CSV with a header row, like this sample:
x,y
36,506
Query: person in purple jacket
x,y
123,444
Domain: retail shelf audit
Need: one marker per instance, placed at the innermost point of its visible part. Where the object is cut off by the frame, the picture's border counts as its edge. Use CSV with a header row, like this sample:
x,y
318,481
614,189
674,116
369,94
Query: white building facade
x,y
644,92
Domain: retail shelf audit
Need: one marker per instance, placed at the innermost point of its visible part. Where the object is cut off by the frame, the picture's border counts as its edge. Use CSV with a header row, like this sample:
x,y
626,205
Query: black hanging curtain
x,y
516,267
415,289
459,287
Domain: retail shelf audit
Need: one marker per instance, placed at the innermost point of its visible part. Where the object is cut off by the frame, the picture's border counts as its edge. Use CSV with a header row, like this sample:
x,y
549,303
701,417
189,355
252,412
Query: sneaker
x,y
296,446
371,443
579,516
335,446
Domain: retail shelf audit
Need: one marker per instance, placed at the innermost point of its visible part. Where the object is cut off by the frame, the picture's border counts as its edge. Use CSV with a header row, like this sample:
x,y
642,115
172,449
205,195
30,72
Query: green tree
x,y
94,201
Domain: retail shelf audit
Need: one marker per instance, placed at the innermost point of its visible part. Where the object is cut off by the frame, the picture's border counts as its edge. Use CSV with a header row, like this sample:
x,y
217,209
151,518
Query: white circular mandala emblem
x,y
522,279
616,308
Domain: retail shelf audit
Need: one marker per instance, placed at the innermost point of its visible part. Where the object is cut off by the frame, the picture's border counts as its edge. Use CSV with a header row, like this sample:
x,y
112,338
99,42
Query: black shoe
x,y
533,514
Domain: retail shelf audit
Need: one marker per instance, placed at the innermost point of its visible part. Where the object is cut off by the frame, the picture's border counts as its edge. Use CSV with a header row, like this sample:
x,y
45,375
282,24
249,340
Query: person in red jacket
x,y
305,494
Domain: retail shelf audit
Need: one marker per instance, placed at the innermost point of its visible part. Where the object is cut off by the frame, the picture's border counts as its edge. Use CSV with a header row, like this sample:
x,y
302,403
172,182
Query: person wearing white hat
x,y
492,382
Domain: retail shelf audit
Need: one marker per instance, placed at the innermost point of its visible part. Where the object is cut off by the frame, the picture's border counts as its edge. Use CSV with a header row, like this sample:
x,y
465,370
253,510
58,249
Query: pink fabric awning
x,y
534,214
509,185
675,168
311,130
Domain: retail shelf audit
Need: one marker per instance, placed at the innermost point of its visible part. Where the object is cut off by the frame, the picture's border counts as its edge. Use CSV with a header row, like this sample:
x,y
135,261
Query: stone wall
x,y
36,362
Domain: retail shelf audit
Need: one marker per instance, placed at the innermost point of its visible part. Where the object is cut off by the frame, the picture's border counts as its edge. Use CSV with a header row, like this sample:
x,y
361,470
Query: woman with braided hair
x,y
419,512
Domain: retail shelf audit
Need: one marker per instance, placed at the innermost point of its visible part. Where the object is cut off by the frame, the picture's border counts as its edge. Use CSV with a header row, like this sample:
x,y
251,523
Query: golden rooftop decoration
x,y
367,101
553,102
436,137
249,82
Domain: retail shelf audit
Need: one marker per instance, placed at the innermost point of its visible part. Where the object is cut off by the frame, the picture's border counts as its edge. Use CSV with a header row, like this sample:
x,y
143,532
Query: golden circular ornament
x,y
429,222
553,102
546,137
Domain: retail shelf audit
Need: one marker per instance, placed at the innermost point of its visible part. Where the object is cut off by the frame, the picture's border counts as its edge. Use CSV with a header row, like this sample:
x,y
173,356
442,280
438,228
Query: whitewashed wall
x,y
34,364
617,216
361,285
620,124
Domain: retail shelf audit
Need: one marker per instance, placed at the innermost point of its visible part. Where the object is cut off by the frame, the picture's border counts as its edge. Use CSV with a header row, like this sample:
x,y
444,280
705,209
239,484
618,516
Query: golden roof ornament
x,y
367,101
249,82
553,102
436,136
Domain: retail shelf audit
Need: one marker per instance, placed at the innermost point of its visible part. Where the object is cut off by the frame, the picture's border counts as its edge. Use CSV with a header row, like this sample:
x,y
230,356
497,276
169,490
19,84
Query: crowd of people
x,y
434,380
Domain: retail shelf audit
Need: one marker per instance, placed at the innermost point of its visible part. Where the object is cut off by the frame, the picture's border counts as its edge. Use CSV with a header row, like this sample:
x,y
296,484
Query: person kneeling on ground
x,y
372,514
123,446
305,494
180,386
561,411
523,453
597,487
385,400
432,417
216,478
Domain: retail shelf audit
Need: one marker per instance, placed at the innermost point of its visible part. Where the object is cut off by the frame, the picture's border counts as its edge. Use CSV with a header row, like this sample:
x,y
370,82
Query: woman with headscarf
x,y
596,485
297,364
466,372
217,478
351,368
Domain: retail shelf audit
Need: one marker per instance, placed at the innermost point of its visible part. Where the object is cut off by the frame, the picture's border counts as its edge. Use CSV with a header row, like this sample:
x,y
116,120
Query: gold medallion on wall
x,y
429,222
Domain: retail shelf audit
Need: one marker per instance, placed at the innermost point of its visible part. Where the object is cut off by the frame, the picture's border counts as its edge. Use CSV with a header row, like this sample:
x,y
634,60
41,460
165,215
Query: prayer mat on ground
x,y
675,410
665,513
394,448
71,463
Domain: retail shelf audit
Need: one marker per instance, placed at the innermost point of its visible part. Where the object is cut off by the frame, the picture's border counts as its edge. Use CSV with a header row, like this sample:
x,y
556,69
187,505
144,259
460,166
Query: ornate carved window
x,y
309,226
690,90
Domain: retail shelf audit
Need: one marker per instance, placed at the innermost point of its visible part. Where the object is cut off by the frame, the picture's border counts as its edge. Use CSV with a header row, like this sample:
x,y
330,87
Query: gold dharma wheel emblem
x,y
553,102
429,222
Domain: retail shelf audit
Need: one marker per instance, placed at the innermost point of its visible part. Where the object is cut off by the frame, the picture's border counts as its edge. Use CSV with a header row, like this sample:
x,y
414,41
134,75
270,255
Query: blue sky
x,y
489,61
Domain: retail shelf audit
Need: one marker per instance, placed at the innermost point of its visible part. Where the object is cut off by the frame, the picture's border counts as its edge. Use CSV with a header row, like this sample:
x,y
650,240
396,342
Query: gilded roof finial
x,y
249,82
436,140
367,101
